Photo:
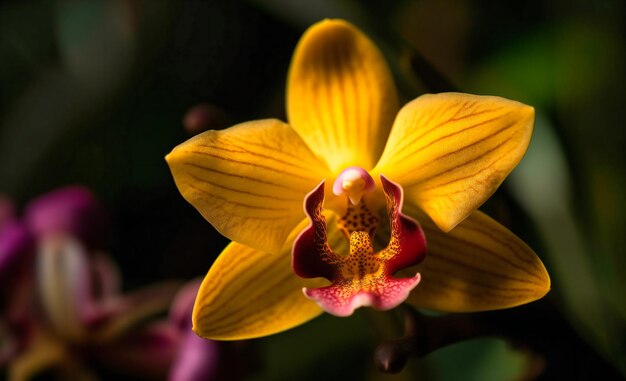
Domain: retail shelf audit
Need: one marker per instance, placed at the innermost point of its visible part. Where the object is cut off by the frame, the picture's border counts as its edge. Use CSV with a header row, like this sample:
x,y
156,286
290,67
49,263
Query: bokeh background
x,y
95,93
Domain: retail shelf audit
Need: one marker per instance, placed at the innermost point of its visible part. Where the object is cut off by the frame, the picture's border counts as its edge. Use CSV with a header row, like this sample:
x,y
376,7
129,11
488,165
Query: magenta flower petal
x,y
70,210
15,242
16,261
180,312
148,352
197,359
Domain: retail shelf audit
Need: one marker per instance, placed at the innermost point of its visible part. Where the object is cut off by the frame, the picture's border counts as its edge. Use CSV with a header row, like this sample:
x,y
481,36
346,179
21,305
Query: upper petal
x,y
249,180
341,97
248,293
479,265
451,151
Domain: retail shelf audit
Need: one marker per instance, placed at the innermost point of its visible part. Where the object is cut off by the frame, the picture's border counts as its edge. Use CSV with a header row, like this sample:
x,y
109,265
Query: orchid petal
x,y
7,210
128,311
248,181
479,265
147,352
15,243
70,210
182,305
16,275
44,353
341,97
64,286
198,359
451,151
248,293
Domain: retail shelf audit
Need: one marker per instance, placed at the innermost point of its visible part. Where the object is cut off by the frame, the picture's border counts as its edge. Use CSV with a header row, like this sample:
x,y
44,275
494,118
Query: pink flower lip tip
x,y
342,302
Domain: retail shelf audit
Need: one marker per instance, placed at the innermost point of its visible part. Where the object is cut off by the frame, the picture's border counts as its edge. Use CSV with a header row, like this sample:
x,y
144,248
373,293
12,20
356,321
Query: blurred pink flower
x,y
67,306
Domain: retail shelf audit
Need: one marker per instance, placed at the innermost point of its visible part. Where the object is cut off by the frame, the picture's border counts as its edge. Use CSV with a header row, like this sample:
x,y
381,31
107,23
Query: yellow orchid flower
x,y
343,156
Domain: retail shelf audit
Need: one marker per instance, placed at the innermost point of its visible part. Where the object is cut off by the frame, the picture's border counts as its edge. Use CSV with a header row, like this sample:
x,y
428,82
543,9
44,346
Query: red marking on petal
x,y
407,246
311,251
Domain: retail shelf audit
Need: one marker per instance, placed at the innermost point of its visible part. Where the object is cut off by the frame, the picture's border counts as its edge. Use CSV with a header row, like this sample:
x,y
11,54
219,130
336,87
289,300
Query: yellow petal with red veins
x,y
480,265
451,151
341,97
249,180
248,293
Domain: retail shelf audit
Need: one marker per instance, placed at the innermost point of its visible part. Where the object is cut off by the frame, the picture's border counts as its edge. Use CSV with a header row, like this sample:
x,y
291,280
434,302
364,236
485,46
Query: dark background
x,y
94,93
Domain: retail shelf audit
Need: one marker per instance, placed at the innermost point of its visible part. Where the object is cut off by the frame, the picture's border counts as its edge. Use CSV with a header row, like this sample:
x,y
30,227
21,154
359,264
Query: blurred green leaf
x,y
477,360
541,183
524,70
96,54
327,348
572,70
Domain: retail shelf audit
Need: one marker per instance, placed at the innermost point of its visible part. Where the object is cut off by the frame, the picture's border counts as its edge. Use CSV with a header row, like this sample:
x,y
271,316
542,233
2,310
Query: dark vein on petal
x,y
243,313
228,201
399,158
337,59
217,279
254,179
217,185
465,163
438,285
363,137
486,168
443,277
256,154
414,123
248,264
482,249
271,169
331,99
513,246
289,154
451,120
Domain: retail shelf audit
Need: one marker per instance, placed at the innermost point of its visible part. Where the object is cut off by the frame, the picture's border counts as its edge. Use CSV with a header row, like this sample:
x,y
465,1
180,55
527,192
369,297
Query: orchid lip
x,y
363,277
